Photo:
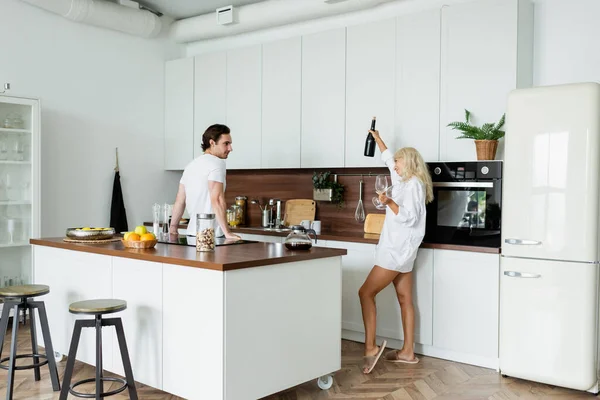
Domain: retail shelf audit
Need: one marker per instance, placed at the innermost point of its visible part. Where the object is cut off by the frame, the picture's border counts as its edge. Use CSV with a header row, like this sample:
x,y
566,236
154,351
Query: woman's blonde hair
x,y
415,166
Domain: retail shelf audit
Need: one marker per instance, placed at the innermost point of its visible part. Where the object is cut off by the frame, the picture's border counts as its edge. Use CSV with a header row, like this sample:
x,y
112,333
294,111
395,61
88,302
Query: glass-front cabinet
x,y
19,187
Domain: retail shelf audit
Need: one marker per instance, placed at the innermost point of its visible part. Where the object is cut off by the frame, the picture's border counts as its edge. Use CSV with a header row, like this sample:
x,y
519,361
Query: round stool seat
x,y
98,306
24,291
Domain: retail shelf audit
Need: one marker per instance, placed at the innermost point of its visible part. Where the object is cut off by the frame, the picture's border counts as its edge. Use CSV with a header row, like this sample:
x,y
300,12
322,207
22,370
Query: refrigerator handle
x,y
523,242
515,274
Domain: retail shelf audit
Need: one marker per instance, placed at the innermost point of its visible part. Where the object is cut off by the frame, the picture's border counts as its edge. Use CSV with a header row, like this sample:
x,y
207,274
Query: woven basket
x,y
486,149
139,244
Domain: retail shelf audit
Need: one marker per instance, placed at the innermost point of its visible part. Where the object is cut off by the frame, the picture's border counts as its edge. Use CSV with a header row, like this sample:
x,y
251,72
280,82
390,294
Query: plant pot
x,y
322,194
486,149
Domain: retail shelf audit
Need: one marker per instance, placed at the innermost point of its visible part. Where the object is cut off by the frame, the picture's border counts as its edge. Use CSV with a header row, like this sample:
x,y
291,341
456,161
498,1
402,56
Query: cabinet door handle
x,y
523,242
515,274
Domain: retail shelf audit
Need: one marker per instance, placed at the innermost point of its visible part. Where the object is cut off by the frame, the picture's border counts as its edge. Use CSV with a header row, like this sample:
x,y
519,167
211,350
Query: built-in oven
x,y
467,204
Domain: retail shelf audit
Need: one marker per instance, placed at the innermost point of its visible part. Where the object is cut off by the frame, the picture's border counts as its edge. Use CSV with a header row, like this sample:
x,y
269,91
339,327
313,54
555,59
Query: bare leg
x,y
403,285
377,280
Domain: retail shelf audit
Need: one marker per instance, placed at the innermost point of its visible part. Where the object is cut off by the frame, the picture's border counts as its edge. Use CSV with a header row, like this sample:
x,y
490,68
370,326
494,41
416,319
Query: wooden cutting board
x,y
297,210
374,223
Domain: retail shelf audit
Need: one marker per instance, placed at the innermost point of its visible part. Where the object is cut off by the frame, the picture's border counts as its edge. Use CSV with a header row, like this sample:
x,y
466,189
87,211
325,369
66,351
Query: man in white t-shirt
x,y
202,185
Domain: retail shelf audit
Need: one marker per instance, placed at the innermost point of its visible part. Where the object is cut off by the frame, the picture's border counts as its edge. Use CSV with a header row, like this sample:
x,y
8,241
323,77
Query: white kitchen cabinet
x,y
487,51
210,94
323,99
281,103
90,277
142,320
356,266
244,106
418,83
179,113
370,89
466,302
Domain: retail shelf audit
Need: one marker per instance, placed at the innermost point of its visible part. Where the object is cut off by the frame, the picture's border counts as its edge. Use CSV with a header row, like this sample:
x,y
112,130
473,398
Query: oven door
x,y
465,213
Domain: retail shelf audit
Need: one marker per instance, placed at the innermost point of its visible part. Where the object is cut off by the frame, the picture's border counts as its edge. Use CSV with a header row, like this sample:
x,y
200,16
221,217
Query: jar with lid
x,y
205,232
235,216
242,201
299,239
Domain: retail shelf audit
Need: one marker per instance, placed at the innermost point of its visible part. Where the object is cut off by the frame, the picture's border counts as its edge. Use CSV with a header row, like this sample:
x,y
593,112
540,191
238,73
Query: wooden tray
x,y
374,223
91,241
297,210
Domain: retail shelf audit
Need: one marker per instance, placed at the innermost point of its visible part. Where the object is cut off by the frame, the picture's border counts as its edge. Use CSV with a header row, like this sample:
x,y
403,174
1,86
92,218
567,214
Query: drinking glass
x,y
18,149
381,185
3,147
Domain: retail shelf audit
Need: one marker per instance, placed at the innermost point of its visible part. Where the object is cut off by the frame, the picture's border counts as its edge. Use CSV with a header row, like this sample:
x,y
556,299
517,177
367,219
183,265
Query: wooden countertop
x,y
224,258
359,237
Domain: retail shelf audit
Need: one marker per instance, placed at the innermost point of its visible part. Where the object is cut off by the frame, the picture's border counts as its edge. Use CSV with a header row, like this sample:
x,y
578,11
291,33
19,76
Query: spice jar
x,y
205,232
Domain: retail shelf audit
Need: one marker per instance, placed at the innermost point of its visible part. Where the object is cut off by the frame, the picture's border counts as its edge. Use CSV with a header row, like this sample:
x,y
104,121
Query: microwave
x,y
467,203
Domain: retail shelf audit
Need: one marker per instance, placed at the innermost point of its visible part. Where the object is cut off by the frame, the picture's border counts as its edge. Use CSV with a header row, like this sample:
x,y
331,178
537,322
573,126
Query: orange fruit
x,y
147,236
134,237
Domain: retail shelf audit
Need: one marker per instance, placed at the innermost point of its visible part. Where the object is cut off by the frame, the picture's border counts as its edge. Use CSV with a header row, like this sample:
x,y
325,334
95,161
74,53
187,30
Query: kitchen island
x,y
243,322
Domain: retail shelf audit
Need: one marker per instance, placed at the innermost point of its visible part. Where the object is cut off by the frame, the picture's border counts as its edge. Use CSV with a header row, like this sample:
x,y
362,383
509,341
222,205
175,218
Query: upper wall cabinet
x,y
418,83
210,101
281,103
179,113
370,72
244,107
323,99
487,51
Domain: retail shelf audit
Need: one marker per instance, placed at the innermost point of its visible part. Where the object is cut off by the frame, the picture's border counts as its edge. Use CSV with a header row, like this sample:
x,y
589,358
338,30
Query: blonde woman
x,y
401,236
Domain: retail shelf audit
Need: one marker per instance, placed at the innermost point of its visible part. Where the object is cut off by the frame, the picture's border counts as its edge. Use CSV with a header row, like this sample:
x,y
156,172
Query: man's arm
x,y
217,198
178,209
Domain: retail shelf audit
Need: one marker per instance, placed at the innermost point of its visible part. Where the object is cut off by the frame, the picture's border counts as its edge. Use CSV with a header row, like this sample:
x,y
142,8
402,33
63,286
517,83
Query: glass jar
x,y
299,239
205,232
236,215
242,202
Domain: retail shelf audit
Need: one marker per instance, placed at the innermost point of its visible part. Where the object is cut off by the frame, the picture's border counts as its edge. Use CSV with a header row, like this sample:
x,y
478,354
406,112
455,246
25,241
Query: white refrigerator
x,y
550,239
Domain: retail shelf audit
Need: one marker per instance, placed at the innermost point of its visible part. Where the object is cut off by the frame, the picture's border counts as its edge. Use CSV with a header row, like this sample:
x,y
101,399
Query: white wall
x,y
99,90
566,41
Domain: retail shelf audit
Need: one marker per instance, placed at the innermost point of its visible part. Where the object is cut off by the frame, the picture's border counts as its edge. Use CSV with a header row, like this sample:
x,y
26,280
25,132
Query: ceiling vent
x,y
225,15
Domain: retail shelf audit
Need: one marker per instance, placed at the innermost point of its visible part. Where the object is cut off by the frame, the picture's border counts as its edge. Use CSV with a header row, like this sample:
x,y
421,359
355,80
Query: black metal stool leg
x,y
8,305
99,383
64,393
125,358
34,346
47,342
13,353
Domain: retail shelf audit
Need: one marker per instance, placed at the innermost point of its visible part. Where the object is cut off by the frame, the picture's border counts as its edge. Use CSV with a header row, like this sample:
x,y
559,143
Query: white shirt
x,y
197,196
402,233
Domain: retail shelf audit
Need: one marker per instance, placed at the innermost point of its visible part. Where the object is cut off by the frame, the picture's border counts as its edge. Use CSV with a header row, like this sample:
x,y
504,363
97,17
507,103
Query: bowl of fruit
x,y
139,239
90,233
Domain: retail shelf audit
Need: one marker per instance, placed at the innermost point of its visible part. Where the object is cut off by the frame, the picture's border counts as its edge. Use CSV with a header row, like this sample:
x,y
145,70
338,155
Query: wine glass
x,y
381,185
18,149
3,147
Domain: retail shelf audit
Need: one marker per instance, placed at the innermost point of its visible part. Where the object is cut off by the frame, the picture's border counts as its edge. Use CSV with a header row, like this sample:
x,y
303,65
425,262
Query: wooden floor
x,y
430,379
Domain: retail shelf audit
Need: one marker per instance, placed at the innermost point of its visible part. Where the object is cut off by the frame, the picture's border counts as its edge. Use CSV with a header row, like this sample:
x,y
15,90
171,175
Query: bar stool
x,y
18,298
98,308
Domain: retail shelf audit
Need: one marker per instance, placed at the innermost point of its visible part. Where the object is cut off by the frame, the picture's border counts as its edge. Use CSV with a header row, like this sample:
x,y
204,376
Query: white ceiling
x,y
189,8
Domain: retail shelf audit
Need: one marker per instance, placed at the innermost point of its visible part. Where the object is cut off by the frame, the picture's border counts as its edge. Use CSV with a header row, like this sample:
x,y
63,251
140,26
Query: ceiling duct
x,y
104,14
262,15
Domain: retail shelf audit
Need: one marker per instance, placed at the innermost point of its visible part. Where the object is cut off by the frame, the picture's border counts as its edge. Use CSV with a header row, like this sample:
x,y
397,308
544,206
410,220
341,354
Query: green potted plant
x,y
486,136
325,189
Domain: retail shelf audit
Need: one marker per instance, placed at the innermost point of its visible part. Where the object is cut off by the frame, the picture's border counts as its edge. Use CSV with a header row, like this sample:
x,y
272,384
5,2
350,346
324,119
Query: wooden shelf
x,y
11,130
